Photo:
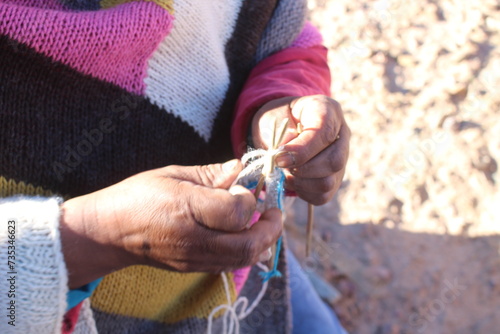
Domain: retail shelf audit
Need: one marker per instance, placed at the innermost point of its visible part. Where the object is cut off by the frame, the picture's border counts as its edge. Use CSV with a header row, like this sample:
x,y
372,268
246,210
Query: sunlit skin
x,y
190,219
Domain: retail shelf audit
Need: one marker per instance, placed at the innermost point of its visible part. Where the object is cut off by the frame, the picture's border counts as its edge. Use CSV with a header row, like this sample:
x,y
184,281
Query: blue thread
x,y
266,276
252,185
281,190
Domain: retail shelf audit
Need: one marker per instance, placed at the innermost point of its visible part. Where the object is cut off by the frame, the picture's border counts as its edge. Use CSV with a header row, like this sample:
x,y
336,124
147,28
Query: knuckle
x,y
347,129
335,104
238,213
319,199
328,132
335,161
325,198
206,174
250,251
328,102
327,184
167,171
331,117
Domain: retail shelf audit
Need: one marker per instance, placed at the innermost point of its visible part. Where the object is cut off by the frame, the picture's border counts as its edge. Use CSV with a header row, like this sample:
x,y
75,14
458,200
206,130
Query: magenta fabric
x,y
45,4
70,319
241,275
308,37
291,72
113,45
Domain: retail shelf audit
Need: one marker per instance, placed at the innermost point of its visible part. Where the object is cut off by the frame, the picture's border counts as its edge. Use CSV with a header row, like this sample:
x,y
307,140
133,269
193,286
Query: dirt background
x,y
412,239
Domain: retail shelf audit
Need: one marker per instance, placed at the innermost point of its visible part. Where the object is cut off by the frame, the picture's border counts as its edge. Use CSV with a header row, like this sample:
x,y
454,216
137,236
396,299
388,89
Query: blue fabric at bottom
x,y
76,296
310,314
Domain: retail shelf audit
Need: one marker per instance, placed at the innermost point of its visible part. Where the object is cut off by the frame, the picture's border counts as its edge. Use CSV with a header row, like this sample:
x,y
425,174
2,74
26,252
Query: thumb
x,y
213,176
211,204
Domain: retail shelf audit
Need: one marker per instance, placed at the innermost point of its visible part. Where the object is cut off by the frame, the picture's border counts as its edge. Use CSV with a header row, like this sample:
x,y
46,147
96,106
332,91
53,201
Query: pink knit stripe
x,y
240,277
309,36
45,4
113,45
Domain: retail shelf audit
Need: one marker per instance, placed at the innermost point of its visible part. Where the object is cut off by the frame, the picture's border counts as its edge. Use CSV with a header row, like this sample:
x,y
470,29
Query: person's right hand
x,y
186,219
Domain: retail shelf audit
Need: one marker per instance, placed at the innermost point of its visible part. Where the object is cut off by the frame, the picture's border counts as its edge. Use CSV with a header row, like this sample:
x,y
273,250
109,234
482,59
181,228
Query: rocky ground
x,y
412,239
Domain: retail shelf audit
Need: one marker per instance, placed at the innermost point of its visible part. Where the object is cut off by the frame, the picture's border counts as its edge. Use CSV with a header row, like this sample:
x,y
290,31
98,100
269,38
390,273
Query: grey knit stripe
x,y
121,324
287,22
272,315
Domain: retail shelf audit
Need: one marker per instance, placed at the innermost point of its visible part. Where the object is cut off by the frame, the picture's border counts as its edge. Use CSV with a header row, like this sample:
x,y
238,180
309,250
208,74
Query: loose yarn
x,y
255,161
232,315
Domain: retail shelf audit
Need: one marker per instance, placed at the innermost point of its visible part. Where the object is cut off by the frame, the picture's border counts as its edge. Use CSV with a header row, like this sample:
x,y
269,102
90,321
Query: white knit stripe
x,y
40,280
86,323
188,75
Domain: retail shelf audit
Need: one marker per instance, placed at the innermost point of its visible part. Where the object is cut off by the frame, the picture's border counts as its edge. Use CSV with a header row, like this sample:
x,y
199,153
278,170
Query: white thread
x,y
260,155
231,313
256,159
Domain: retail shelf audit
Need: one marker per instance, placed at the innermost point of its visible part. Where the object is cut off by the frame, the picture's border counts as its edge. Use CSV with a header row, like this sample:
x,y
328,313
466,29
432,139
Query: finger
x,y
246,246
214,176
315,186
214,251
329,161
317,199
220,209
321,119
262,123
315,191
219,251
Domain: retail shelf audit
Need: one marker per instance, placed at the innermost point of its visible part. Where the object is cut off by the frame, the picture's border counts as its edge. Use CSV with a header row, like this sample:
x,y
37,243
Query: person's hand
x,y
186,219
315,158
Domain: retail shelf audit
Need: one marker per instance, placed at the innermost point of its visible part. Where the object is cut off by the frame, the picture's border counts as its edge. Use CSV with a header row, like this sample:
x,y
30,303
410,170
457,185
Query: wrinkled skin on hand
x,y
315,158
187,219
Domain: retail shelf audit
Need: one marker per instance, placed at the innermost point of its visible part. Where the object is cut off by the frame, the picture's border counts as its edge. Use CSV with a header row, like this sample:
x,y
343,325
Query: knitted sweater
x,y
92,92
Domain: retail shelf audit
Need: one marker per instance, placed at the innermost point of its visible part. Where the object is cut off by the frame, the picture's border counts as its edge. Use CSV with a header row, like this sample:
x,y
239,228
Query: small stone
x,y
379,274
406,60
327,236
346,287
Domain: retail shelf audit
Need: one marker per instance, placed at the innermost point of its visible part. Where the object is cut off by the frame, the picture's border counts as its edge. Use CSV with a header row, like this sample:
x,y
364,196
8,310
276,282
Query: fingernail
x,y
238,190
285,159
266,255
229,166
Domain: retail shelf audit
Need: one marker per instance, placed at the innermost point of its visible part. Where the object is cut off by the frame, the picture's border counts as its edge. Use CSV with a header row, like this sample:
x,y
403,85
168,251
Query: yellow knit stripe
x,y
10,187
165,4
159,295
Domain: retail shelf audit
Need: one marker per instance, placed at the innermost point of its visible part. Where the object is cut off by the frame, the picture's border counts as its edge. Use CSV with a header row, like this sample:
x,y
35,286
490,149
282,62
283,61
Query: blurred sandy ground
x,y
412,240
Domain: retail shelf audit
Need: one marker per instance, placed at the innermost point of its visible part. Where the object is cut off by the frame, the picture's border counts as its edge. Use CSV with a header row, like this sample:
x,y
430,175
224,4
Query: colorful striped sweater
x,y
92,92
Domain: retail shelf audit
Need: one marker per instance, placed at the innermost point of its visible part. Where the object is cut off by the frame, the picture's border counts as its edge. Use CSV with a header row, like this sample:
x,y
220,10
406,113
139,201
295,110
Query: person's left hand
x,y
315,158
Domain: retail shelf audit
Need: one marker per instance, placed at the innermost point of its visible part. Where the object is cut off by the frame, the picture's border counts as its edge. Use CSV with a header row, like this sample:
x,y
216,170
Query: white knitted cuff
x,y
86,323
33,278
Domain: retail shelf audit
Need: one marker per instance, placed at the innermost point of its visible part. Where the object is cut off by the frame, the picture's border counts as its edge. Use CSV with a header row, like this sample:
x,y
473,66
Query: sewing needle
x,y
310,213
